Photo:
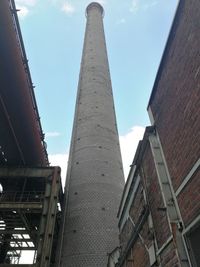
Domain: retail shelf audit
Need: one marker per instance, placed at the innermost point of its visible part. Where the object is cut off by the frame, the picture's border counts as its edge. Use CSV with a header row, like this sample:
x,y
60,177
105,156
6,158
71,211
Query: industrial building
x,y
31,192
159,214
152,220
79,227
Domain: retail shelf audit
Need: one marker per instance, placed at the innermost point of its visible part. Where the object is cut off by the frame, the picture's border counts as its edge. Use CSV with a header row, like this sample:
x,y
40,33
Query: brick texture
x,y
161,230
95,176
137,205
189,200
140,255
137,255
176,97
175,106
168,257
125,235
160,221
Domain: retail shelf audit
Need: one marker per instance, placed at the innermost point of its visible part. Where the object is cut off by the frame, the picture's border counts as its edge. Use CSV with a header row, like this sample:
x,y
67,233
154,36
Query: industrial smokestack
x,y
95,176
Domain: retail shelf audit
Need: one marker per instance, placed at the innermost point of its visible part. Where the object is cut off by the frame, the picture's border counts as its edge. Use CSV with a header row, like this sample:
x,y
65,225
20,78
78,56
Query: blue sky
x,y
53,32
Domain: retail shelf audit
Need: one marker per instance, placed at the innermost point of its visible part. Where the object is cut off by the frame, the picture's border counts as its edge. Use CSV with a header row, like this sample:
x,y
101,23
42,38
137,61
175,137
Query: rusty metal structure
x,y
30,191
20,130
30,215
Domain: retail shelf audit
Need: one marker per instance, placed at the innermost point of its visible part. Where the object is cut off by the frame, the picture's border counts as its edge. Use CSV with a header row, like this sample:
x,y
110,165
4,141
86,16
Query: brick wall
x,y
175,106
137,205
125,235
140,255
160,233
137,255
189,200
176,96
168,257
159,216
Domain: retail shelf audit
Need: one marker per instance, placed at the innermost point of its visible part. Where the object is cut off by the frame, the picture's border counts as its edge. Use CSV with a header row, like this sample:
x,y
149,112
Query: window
x,y
193,238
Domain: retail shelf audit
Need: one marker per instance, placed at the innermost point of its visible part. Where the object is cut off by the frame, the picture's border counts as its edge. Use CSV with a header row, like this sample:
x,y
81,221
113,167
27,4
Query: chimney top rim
x,y
97,5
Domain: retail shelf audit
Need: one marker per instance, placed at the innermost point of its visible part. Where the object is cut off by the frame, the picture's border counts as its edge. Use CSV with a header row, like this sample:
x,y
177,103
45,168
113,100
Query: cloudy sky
x,y
53,31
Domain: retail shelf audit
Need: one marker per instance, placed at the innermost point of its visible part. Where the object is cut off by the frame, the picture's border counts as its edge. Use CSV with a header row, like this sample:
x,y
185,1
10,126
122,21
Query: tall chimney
x,y
95,175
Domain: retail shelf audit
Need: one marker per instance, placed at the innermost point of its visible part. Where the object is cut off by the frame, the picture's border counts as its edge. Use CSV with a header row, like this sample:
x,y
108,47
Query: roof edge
x,y
165,52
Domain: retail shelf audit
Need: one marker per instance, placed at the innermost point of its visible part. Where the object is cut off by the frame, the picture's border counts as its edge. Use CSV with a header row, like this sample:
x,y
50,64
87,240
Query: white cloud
x,y
121,21
24,7
134,6
102,2
142,4
23,11
26,2
68,8
52,134
151,4
128,144
61,161
54,2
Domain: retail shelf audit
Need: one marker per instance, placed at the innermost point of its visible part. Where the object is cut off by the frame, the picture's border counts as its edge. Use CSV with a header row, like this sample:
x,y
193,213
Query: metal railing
x,y
18,196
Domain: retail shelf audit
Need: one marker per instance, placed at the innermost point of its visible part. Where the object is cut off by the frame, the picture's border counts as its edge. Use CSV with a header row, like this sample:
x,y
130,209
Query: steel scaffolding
x,y
30,209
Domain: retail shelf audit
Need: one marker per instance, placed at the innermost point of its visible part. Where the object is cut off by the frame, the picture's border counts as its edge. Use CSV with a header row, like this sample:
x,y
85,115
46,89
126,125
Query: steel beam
x,y
13,172
20,214
25,206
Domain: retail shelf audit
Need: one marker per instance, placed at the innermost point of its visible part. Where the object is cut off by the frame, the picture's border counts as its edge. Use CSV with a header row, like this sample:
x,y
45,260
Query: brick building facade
x,y
159,214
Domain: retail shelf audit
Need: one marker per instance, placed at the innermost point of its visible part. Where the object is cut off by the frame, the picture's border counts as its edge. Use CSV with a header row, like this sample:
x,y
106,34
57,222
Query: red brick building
x,y
159,214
